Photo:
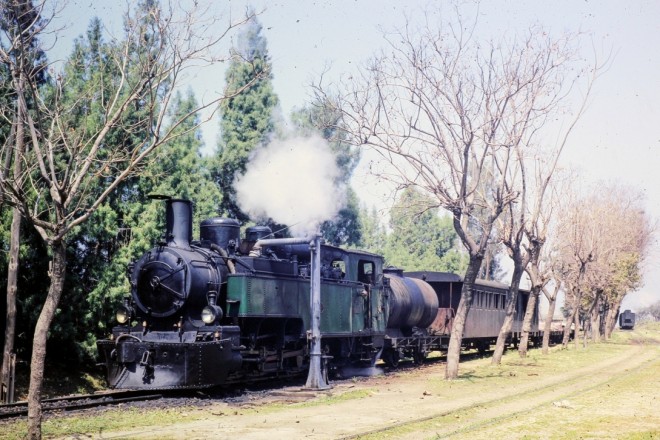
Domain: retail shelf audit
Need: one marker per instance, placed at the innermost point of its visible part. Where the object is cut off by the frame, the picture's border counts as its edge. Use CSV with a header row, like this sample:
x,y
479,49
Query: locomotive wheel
x,y
391,358
483,348
419,357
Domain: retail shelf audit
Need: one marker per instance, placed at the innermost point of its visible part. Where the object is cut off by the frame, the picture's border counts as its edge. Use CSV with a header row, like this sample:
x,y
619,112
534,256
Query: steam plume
x,y
294,182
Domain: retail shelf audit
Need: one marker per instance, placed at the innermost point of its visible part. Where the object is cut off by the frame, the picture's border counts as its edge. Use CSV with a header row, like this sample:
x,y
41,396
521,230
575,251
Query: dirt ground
x,y
487,402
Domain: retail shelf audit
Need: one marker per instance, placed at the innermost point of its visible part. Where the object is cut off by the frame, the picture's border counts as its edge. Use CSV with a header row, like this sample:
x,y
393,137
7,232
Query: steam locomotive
x,y
223,309
627,320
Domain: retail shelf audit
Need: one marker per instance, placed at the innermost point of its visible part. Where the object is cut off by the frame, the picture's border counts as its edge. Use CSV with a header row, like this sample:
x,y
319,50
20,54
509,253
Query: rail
x,y
78,402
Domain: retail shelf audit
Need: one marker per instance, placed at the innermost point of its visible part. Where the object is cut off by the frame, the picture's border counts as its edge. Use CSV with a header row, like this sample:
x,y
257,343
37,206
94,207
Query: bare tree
x,y
446,114
604,240
578,234
625,245
523,228
62,165
542,261
547,325
29,67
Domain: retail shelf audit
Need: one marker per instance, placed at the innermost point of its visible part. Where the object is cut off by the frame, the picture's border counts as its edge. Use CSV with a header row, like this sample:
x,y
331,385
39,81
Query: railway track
x,y
78,402
109,398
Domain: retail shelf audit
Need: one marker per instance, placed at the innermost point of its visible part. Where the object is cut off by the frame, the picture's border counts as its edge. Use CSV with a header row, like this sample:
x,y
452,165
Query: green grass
x,y
479,376
117,419
625,407
475,377
111,420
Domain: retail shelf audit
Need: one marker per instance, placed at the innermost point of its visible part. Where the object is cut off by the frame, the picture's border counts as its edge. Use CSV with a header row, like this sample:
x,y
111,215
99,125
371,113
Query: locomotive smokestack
x,y
178,223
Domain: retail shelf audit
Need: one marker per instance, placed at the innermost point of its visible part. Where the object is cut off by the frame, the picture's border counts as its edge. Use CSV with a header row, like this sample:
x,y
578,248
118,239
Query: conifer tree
x,y
373,236
176,170
420,239
71,170
247,118
94,244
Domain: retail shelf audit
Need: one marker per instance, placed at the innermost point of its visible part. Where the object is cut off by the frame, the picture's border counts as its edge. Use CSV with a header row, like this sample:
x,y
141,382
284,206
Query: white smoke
x,y
294,182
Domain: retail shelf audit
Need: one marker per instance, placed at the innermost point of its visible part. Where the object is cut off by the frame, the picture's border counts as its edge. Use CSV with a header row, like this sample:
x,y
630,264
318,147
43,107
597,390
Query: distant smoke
x,y
294,182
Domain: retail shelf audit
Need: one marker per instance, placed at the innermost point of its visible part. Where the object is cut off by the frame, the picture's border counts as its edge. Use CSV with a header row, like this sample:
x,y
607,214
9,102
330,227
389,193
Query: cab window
x,y
366,270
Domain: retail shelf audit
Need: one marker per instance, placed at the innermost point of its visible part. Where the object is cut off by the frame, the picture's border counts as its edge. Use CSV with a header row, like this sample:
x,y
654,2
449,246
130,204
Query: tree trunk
x,y
612,316
58,272
567,329
576,319
12,279
455,340
594,318
547,328
586,329
512,300
602,320
527,322
14,252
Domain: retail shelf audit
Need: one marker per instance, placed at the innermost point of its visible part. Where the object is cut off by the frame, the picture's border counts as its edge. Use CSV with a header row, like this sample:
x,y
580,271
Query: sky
x,y
618,139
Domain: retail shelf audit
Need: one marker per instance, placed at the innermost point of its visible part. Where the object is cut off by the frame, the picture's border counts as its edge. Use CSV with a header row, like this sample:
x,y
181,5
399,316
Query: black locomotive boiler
x,y
222,309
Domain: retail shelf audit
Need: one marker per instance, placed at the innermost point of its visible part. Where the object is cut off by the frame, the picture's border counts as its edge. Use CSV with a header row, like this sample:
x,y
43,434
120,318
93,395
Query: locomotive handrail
x,y
256,249
127,336
225,256
228,259
283,241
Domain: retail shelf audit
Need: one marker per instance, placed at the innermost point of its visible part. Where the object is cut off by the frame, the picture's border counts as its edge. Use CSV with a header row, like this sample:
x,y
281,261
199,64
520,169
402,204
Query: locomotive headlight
x,y
211,314
125,311
123,314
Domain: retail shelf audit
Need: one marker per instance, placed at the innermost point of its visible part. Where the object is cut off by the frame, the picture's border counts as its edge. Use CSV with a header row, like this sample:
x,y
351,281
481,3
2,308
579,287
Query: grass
x,y
625,407
59,381
110,420
117,419
598,411
476,377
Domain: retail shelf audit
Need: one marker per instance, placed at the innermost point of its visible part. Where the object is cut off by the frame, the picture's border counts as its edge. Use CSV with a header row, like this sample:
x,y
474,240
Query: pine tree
x,y
90,73
73,171
373,236
421,239
177,170
246,119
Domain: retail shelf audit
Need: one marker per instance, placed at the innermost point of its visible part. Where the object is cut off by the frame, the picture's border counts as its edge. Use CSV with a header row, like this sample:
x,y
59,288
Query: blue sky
x,y
617,139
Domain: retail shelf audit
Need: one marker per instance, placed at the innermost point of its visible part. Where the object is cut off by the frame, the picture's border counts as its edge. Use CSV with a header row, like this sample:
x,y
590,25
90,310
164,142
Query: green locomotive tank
x,y
271,304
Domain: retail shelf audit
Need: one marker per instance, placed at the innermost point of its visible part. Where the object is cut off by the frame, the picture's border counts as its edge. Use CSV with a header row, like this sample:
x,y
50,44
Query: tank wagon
x,y
225,308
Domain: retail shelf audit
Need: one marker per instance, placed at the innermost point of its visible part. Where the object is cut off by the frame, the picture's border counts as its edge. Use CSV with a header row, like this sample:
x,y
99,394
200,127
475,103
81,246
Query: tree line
x,y
478,127
457,124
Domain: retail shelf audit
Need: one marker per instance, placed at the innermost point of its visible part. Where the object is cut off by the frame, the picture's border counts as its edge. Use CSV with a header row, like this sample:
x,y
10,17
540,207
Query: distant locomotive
x,y
627,320
222,310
